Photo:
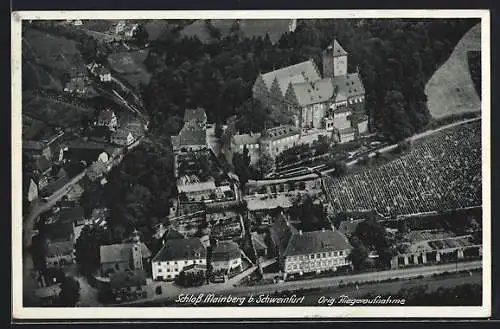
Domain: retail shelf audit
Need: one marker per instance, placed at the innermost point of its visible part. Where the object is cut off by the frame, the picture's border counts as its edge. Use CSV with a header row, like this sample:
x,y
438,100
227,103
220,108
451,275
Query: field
x,y
440,172
451,89
34,77
53,112
130,66
56,54
249,28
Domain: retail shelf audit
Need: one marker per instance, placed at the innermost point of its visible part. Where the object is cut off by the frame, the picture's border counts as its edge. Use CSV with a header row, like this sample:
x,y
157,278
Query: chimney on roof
x,y
300,232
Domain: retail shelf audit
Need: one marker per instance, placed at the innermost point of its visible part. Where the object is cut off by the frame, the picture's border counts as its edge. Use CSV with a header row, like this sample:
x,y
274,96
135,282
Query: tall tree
x,y
70,292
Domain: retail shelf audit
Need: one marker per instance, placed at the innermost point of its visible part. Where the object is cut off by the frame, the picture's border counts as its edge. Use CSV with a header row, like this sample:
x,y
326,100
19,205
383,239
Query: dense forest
x,y
395,58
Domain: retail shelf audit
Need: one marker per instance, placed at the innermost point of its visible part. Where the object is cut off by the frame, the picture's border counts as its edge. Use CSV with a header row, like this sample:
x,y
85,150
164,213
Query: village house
x,y
278,139
193,134
175,255
100,71
60,243
191,189
226,257
107,118
300,93
122,137
316,252
123,257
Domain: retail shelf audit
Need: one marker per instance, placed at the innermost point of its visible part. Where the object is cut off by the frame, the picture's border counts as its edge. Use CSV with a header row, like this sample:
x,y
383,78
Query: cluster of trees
x,y
87,247
140,187
312,215
395,57
370,235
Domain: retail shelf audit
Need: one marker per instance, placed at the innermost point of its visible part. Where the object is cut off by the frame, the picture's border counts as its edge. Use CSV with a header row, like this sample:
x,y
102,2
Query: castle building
x,y
314,101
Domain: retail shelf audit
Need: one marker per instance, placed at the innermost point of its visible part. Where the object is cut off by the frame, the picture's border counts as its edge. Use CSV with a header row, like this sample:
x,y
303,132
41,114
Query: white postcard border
x,y
22,313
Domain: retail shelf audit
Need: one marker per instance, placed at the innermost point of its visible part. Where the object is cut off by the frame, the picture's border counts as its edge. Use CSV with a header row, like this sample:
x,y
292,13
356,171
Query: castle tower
x,y
334,60
136,251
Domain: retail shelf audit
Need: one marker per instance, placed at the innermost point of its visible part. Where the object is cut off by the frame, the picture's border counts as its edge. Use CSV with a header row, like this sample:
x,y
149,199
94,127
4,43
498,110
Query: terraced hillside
x,y
451,89
441,172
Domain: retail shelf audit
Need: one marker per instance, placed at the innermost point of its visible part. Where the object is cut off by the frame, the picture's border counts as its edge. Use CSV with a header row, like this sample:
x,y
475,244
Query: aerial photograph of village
x,y
252,162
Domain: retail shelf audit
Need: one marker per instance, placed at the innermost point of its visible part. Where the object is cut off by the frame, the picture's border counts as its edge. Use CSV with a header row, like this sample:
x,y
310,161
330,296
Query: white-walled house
x,y
226,256
175,255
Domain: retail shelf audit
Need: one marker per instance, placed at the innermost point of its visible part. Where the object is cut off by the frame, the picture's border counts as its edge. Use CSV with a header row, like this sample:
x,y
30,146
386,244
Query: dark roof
x,y
83,154
225,251
198,114
281,232
316,241
127,279
120,252
71,214
172,234
59,231
337,49
179,249
190,136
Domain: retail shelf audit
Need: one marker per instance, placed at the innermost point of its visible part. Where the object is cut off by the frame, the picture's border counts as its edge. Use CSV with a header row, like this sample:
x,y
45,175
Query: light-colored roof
x,y
308,93
292,74
202,186
337,49
346,86
121,252
245,139
280,132
181,249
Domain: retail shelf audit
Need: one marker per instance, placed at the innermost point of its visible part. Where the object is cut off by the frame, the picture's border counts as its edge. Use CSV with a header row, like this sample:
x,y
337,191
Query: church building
x,y
313,100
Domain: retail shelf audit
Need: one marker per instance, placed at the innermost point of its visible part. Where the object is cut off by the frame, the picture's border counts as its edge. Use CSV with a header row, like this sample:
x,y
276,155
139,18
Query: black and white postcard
x,y
251,164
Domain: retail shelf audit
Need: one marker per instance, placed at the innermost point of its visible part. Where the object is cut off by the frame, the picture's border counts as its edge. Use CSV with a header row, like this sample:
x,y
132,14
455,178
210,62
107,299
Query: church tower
x,y
136,251
334,60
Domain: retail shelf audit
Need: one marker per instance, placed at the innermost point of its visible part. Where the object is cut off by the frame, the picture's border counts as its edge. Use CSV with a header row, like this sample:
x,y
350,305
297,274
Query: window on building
x,y
168,270
323,255
318,256
334,254
341,253
159,270
329,254
311,257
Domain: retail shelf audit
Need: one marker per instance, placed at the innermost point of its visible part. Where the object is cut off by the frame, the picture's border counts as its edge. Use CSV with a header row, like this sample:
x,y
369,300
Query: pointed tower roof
x,y
337,49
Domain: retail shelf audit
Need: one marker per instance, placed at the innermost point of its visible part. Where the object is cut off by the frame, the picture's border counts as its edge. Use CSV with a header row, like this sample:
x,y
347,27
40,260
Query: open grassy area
x,y
451,89
56,54
130,66
53,112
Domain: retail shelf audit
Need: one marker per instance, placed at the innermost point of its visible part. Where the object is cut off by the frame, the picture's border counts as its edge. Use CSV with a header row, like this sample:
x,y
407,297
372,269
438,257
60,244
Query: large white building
x,y
175,255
